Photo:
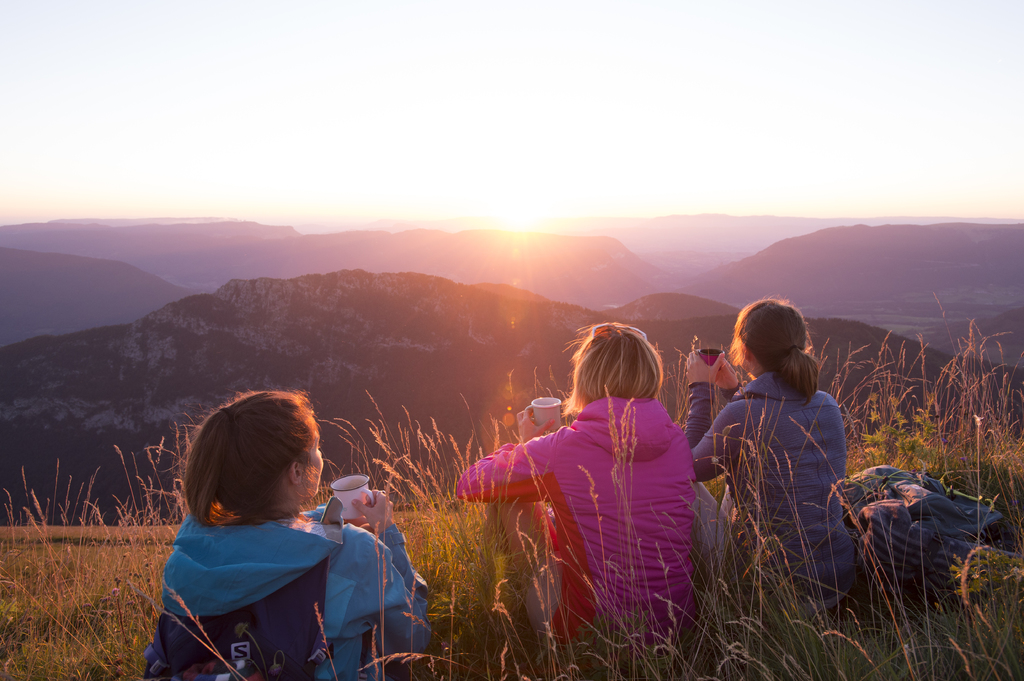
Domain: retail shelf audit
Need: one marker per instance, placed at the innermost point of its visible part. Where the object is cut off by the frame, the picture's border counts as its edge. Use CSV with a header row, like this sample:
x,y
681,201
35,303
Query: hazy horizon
x,y
735,237
453,223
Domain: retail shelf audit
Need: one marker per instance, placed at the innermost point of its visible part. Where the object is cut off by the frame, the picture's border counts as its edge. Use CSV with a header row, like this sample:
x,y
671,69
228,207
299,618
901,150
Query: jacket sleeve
x,y
512,473
715,445
386,593
412,616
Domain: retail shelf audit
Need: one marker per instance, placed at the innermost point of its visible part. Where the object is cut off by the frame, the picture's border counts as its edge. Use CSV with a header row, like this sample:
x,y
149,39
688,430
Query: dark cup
x,y
709,355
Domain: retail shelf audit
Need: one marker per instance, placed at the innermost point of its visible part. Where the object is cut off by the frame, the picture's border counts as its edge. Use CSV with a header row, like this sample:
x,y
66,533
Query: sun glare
x,y
519,219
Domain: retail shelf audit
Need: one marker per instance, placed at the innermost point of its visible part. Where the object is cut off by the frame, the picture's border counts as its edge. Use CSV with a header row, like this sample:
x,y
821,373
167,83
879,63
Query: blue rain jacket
x,y
216,569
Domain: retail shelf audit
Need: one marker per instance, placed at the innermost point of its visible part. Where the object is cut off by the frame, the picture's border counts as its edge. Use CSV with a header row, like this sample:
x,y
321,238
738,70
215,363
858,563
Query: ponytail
x,y
204,465
775,333
236,458
800,370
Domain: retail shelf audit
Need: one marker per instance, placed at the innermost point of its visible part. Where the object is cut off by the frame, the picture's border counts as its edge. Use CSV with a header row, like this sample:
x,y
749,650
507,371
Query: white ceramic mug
x,y
348,488
543,409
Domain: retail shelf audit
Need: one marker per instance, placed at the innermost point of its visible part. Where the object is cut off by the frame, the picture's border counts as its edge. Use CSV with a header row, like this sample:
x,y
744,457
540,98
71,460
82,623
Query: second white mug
x,y
543,409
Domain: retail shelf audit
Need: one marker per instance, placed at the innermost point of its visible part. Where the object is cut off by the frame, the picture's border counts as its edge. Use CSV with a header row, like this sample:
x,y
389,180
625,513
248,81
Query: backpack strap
x,y
156,659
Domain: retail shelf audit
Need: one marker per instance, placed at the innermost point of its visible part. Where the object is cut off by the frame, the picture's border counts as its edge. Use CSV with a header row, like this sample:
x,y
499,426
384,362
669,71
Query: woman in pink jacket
x,y
619,483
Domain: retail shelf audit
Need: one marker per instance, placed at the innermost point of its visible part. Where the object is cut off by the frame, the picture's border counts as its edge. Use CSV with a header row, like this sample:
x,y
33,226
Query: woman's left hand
x,y
528,429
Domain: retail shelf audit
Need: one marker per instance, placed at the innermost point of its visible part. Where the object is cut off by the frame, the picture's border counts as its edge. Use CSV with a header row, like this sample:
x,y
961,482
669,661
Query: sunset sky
x,y
344,110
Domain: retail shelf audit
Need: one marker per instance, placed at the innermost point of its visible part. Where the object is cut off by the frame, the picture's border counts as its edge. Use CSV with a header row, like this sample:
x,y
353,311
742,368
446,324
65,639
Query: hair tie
x,y
795,347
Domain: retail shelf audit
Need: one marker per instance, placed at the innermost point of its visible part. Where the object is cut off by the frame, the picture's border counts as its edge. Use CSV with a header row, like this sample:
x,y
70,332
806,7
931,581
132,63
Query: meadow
x,y
78,599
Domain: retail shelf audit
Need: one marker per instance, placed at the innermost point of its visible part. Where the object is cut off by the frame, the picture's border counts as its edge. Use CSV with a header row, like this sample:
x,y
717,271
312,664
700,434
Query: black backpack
x,y
281,634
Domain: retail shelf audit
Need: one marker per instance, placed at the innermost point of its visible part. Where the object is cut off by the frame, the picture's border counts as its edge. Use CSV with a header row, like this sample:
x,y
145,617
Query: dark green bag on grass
x,y
910,528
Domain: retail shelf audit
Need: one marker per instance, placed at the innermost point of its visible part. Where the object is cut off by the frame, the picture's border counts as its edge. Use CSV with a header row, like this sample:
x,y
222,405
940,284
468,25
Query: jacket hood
x,y
225,568
642,428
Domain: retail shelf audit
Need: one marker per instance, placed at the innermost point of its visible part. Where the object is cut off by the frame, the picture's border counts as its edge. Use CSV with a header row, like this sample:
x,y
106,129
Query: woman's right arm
x,y
511,473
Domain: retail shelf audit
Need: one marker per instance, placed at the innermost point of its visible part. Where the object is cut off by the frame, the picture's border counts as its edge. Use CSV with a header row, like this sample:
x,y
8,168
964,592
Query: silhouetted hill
x,y
670,306
53,293
594,271
889,276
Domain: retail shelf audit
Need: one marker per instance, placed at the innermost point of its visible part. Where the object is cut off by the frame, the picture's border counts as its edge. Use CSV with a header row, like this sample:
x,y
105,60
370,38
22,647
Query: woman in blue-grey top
x,y
781,443
250,467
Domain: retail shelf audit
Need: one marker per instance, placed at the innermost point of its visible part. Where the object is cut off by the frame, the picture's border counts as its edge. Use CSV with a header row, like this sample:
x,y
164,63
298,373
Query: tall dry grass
x,y
79,602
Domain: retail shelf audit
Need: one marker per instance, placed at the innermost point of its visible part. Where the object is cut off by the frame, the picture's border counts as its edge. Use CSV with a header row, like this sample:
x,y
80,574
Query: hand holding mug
x,y
528,429
724,374
378,512
697,370
540,416
720,372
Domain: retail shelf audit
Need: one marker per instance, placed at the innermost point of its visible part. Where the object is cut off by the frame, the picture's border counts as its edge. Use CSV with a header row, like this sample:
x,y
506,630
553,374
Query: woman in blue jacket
x,y
250,467
782,446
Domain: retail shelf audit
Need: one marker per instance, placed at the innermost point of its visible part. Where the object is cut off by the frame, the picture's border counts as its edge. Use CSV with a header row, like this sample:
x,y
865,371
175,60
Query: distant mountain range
x,y
683,247
441,352
53,293
901,277
702,233
132,222
745,234
907,278
594,271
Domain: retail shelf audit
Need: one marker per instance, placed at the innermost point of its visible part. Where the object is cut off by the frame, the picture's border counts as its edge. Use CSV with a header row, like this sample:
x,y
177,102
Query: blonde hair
x,y
238,455
612,360
774,332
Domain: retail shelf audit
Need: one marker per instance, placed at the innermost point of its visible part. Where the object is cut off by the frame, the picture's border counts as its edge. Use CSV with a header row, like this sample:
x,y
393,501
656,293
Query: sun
x,y
520,218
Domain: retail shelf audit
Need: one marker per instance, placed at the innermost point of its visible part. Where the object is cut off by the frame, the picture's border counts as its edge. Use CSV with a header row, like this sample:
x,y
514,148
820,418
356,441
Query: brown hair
x,y
612,360
238,455
774,332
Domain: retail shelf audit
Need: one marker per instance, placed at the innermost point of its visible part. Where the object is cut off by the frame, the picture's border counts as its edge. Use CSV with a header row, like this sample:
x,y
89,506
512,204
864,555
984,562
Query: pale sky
x,y
285,112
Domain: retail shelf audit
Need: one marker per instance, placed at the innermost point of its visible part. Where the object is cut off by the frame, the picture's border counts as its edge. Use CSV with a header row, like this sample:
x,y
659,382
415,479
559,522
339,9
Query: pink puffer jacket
x,y
622,494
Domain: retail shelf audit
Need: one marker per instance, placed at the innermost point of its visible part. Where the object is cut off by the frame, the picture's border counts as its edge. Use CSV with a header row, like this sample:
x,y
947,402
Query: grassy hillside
x,y
80,602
